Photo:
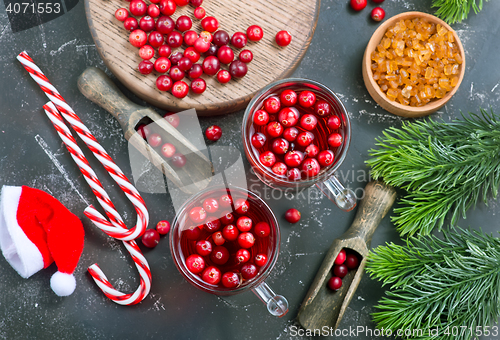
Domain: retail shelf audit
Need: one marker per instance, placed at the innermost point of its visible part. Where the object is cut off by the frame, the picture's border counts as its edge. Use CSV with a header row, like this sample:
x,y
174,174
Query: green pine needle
x,y
452,284
453,11
445,167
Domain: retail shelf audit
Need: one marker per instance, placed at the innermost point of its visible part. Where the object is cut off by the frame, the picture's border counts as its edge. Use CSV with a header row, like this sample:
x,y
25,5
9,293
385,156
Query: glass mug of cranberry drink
x,y
296,133
227,242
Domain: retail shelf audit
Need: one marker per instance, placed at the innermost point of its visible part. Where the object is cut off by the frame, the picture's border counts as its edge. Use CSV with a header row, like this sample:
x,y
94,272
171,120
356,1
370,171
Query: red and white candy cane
x,y
94,183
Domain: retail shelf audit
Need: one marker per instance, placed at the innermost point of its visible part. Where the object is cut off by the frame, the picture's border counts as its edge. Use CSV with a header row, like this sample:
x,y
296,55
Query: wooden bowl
x,y
374,89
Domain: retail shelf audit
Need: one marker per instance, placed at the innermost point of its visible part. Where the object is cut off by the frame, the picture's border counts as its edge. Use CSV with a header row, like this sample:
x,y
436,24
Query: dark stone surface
x,y
32,154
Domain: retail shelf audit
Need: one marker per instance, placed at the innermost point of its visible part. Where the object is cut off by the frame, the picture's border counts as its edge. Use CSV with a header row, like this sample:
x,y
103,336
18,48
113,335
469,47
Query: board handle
x,y
94,84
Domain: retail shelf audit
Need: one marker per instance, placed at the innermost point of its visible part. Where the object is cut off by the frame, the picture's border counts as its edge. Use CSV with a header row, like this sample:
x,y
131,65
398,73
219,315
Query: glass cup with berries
x,y
296,133
227,242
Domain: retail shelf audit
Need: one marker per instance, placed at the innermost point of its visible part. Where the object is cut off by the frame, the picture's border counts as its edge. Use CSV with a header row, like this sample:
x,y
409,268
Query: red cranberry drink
x,y
227,242
296,133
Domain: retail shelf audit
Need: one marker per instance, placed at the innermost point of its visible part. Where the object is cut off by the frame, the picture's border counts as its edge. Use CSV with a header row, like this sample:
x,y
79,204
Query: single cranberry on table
x,y
244,223
174,39
121,14
290,134
378,14
138,38
249,271
305,138
210,24
185,64
292,215
341,257
165,24
138,8
154,140
230,280
267,158
163,227
242,255
260,260
192,233
246,56
241,206
288,97
193,55
195,263
164,51
352,261
211,275
294,158
274,129
262,229
272,104
283,38
258,139
198,86
289,116
146,67
147,24
322,108
176,73
181,3
219,255
203,247
307,98
239,40
190,37
162,65
260,117
293,174
221,38
199,13
213,133
176,57
225,54
308,122
150,238
326,157
227,218
172,118
279,168
255,33
201,45
183,23
358,5
230,232
223,76
335,140
333,122
335,283
219,240
311,151
153,11
195,72
212,51
238,69
155,39
178,160
168,150
340,270
131,24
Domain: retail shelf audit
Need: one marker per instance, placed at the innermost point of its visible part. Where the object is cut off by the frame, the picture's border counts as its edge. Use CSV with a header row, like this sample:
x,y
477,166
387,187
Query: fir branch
x,y
445,167
447,283
453,11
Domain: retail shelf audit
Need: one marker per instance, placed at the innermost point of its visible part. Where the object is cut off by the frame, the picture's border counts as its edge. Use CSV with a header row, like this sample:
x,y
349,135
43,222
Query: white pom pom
x,y
63,284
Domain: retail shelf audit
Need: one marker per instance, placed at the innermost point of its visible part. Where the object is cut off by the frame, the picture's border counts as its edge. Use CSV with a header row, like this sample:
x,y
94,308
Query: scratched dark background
x,y
32,154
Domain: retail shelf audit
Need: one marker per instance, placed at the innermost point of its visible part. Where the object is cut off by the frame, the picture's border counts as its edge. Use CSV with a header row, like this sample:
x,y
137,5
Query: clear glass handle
x,y
344,198
277,305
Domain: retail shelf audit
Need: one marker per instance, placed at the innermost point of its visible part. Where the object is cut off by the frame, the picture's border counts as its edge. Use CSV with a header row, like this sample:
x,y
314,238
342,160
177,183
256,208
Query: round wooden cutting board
x,y
270,62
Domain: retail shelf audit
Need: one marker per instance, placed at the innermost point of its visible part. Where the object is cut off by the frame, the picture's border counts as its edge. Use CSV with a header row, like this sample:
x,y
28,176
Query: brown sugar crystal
x,y
416,62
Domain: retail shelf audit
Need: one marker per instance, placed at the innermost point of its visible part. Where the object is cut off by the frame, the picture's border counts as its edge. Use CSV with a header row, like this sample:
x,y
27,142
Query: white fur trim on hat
x,y
63,284
19,251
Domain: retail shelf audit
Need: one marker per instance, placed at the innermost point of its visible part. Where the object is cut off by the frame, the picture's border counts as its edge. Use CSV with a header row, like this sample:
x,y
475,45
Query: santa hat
x,y
36,230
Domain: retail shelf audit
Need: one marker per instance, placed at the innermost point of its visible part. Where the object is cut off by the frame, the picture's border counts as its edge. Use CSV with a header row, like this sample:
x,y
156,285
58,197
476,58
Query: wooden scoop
x,y
322,306
193,177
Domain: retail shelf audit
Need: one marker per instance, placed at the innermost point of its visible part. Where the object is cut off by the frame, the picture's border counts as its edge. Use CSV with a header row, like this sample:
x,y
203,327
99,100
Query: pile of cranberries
x,y
154,31
343,263
228,250
295,135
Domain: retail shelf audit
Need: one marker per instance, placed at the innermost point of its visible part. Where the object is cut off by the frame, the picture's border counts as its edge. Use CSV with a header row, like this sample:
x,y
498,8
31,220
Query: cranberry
x,y
197,214
241,206
288,98
131,24
227,218
305,138
210,205
311,167
352,261
201,45
176,57
333,122
311,150
192,233
279,169
199,13
219,255
292,215
294,158
195,263
262,229
267,158
274,129
147,24
167,150
260,260
238,69
151,238
172,119
153,11
322,108
121,14
138,8
213,133
219,240
179,160
212,51
211,275
226,201
185,64
293,174
249,271
283,38
288,116
230,232
203,247
308,122
340,270
335,140
162,65
176,73
272,104
255,33
154,140
246,56
210,24
207,36
146,67
335,283
260,117
326,157
340,259
183,23
230,280
165,25
181,2
221,38
225,54
290,134
138,38
223,76
378,14
258,140
194,56
239,40
244,223
280,146
163,227
164,51
174,39
180,89
242,256
358,5
167,7
155,39
307,98
190,37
